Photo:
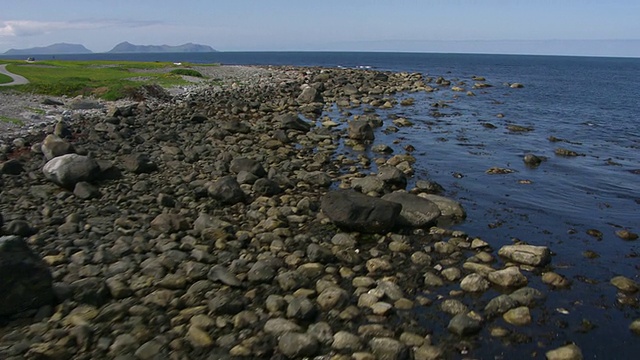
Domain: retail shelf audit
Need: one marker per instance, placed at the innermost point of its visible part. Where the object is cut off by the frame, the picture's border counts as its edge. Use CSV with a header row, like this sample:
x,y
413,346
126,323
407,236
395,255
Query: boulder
x,y
360,130
227,190
392,176
12,167
448,207
26,281
309,95
416,211
293,122
526,254
54,146
355,211
67,170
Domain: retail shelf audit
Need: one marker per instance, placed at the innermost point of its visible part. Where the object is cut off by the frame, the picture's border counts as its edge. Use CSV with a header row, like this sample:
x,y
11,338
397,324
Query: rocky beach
x,y
241,220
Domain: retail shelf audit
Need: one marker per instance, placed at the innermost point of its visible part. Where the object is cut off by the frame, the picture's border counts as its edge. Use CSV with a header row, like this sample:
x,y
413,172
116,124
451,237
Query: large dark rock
x,y
360,130
67,170
416,211
355,211
25,280
227,190
293,122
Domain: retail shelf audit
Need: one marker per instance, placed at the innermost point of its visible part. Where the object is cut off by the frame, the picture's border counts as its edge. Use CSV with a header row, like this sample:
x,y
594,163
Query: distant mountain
x,y
60,48
126,47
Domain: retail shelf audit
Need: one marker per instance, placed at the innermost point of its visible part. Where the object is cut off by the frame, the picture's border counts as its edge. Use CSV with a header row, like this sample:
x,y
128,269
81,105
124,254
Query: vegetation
x,y
4,79
187,72
5,119
110,80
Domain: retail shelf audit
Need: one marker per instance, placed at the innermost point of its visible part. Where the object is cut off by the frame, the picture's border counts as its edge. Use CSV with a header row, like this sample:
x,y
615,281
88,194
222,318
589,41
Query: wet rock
x,y
416,211
448,207
499,305
26,281
453,307
509,277
635,326
519,316
385,348
527,296
555,280
565,152
463,325
568,352
69,169
624,284
227,190
626,235
355,211
526,254
532,160
516,86
474,283
297,345
368,184
360,130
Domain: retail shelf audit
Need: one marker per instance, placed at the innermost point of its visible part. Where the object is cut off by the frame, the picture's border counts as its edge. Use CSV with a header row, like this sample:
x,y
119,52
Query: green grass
x,y
187,72
110,80
35,110
4,79
9,120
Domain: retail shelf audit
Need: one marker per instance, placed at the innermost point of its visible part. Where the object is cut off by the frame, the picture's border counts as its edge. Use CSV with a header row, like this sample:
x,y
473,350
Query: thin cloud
x,y
20,28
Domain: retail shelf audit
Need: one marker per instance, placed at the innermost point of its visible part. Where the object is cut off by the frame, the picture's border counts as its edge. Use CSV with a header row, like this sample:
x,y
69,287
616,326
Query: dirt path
x,y
17,79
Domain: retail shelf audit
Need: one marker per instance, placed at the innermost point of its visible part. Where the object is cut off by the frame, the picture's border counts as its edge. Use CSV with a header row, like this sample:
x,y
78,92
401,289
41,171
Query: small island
x,y
126,47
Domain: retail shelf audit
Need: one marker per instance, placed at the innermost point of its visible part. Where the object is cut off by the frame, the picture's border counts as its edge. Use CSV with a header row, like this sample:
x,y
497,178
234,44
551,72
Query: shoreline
x,y
151,255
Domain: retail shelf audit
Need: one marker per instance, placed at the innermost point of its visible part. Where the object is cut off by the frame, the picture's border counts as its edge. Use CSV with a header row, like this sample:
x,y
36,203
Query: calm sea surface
x,y
593,104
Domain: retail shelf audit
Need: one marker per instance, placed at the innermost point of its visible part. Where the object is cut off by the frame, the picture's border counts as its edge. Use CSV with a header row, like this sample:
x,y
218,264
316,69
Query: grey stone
x,y
20,228
509,277
169,223
368,184
222,274
301,308
266,187
309,95
85,191
261,272
527,296
474,283
12,167
69,169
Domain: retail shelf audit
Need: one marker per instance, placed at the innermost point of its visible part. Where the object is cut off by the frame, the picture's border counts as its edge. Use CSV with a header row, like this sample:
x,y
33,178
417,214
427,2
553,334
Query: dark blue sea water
x,y
593,104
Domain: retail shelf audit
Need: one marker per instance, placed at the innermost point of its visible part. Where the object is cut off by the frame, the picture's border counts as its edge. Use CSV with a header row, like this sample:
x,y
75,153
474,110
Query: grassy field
x,y
4,79
110,80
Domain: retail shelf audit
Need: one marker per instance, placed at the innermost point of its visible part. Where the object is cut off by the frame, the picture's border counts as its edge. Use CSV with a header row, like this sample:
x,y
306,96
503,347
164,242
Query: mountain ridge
x,y
127,47
53,49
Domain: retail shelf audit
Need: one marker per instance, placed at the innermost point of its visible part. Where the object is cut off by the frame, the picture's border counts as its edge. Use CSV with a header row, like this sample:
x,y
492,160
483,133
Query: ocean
x,y
574,205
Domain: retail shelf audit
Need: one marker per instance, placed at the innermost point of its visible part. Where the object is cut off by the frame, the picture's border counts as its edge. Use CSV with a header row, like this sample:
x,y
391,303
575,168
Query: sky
x,y
558,27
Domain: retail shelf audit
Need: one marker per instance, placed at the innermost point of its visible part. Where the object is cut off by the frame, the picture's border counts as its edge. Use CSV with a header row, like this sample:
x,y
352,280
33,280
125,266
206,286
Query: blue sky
x,y
572,27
